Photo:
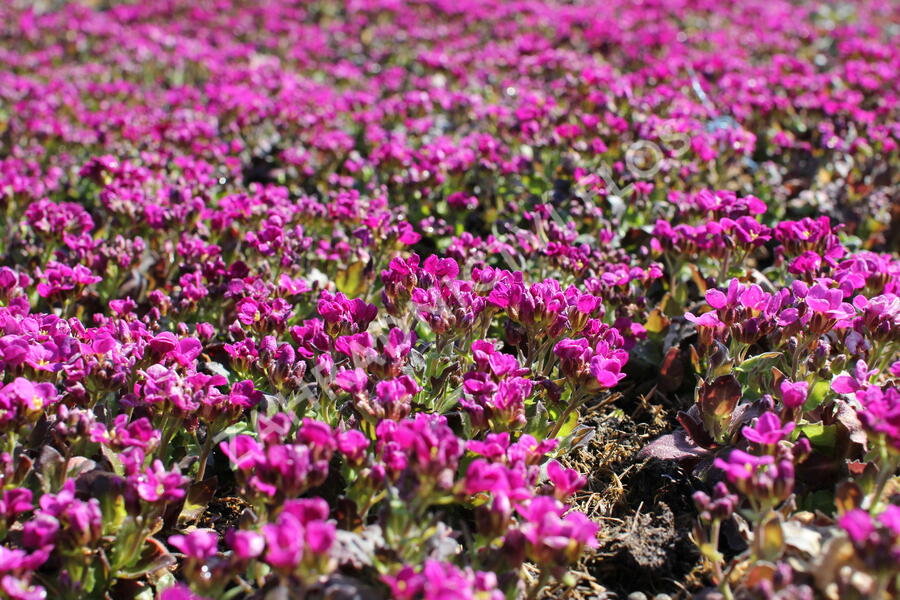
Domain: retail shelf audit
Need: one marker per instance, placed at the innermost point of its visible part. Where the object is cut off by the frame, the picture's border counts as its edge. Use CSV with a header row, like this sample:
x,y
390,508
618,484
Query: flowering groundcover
x,y
477,299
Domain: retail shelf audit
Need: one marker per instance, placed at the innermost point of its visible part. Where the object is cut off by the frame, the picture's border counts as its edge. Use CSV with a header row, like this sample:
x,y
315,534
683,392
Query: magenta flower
x,y
21,589
425,444
139,434
16,560
284,543
762,479
741,466
858,525
163,342
352,381
243,451
437,580
593,368
606,371
14,502
345,316
794,394
554,540
353,445
26,400
767,431
320,537
79,522
156,485
880,413
720,507
246,545
565,481
497,479
179,592
56,279
275,470
249,311
41,531
392,398
196,545
210,217
299,535
876,540
857,380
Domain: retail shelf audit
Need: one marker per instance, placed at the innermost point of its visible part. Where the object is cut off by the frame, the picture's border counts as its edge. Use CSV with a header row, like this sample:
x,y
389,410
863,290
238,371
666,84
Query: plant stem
x,y
204,455
573,404
542,580
889,466
169,428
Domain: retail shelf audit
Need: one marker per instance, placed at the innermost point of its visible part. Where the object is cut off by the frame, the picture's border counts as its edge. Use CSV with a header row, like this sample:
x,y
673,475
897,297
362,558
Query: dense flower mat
x,y
332,299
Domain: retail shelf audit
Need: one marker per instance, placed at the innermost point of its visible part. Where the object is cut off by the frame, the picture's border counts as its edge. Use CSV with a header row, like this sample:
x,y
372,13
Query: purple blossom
x,y
197,545
179,592
555,540
437,580
157,485
246,545
565,481
768,431
794,394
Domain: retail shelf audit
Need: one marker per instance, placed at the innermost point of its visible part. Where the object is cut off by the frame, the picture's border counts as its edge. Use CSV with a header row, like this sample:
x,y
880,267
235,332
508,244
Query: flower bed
x,y
382,299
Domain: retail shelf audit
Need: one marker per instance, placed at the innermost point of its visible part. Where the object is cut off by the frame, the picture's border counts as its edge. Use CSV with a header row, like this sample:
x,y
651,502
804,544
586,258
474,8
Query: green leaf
x,y
758,362
822,437
198,498
822,500
351,280
241,427
569,426
153,558
753,372
817,395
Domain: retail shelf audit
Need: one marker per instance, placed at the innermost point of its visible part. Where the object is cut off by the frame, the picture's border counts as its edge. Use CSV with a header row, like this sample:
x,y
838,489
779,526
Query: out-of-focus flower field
x,y
469,299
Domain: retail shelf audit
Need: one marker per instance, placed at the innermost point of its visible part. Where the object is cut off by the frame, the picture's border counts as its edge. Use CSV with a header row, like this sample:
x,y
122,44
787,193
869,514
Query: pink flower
x,y
794,394
554,540
437,580
876,541
179,592
353,381
14,502
284,543
565,481
857,380
156,485
767,431
246,545
606,371
200,544
21,589
761,478
880,413
22,398
353,444
594,368
243,451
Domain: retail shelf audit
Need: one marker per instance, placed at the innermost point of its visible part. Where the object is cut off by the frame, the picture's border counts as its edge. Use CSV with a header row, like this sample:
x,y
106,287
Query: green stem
x,y
889,466
540,583
573,404
723,272
168,428
204,454
714,542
